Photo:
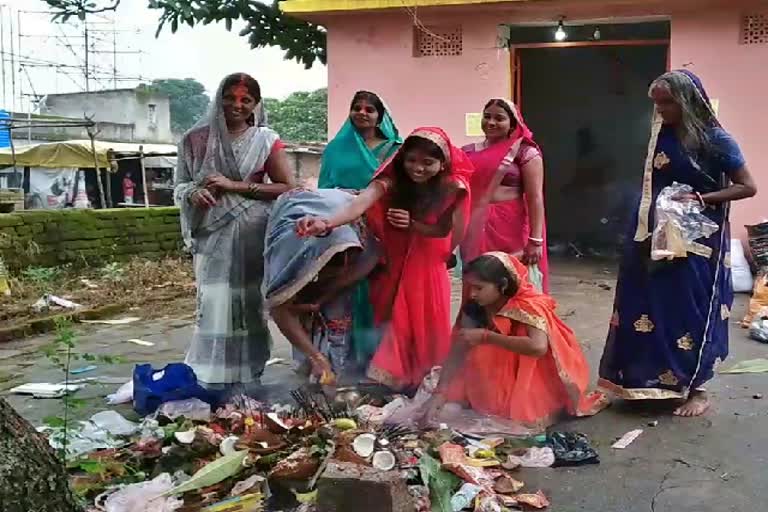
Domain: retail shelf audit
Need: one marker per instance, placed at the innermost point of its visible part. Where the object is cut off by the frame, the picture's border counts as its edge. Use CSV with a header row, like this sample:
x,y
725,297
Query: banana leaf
x,y
750,366
441,484
212,473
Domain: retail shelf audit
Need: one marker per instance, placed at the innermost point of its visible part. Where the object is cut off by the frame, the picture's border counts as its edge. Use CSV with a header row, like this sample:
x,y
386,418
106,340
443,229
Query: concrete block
x,y
9,219
346,487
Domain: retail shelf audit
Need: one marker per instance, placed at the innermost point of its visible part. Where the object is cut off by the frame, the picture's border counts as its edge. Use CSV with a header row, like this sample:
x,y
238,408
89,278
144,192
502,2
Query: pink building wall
x,y
707,43
375,52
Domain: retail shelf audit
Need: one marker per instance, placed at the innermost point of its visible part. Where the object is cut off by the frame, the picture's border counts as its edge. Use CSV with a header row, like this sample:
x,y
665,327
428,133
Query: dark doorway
x,y
589,110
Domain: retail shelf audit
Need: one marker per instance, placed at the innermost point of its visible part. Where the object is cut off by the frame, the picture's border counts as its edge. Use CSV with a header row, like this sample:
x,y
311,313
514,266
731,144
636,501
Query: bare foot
x,y
698,403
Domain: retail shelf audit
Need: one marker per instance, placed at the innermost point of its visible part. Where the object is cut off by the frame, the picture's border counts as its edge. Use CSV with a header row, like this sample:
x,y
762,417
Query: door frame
x,y
516,67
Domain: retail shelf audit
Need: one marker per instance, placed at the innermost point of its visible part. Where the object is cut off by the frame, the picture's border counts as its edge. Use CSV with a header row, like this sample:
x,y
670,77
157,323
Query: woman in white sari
x,y
224,197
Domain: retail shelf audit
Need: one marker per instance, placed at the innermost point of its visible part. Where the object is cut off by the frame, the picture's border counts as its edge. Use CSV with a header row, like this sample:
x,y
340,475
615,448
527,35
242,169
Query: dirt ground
x,y
713,463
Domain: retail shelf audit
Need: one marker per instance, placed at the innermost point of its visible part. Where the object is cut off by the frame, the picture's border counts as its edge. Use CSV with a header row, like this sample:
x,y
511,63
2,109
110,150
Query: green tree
x,y
301,117
189,101
265,23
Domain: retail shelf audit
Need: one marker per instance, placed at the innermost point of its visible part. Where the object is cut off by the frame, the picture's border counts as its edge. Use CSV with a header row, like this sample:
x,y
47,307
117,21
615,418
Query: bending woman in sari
x,y
507,190
224,200
670,322
416,206
367,138
512,356
308,282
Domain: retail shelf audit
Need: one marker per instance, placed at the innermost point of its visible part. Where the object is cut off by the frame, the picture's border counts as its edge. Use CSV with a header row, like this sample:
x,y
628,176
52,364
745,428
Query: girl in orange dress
x,y
512,357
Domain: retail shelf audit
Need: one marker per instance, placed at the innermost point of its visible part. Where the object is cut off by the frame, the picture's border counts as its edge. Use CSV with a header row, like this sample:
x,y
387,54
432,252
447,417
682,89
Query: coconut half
x,y
384,461
364,445
227,446
185,437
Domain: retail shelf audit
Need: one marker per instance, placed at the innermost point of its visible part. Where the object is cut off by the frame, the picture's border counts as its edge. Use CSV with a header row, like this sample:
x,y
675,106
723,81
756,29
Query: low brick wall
x,y
48,238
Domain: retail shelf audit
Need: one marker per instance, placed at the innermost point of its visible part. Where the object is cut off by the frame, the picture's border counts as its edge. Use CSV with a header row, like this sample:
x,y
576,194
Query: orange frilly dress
x,y
533,391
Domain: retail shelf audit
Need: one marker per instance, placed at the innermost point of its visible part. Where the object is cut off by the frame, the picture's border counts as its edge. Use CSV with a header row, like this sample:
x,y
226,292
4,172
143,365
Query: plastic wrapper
x,y
758,329
144,497
464,497
572,449
152,388
536,278
678,223
192,408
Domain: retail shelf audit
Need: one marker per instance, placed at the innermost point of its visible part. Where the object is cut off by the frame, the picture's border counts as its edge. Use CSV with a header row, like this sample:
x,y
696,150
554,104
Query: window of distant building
x,y
754,28
152,114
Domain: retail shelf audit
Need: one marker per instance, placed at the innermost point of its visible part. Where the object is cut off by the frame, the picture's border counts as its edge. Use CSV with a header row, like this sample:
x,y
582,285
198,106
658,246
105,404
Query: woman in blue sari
x,y
669,327
367,139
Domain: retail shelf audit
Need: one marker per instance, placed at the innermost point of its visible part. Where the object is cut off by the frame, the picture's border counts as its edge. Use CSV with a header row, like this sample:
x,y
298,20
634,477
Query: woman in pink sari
x,y
507,190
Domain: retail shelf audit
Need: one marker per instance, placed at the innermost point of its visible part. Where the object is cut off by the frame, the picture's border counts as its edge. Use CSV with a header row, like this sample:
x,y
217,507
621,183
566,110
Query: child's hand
x,y
399,219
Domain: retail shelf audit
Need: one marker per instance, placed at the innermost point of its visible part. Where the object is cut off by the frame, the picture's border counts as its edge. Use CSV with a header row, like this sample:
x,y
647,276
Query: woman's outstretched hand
x,y
312,226
532,253
321,368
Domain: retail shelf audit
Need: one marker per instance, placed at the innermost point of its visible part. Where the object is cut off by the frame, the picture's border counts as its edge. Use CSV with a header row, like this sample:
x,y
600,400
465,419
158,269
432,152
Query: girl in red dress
x,y
417,206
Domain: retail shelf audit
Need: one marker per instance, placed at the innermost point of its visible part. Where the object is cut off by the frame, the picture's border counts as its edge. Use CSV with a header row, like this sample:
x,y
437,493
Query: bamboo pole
x,y
143,176
96,168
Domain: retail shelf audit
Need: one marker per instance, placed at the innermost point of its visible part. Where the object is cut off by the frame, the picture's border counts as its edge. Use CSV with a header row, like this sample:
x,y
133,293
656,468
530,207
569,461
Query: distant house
x,y
437,62
132,115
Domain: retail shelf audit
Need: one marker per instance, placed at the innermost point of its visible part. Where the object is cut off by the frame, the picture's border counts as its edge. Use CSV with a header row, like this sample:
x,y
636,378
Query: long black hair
x,y
250,83
407,195
489,269
371,98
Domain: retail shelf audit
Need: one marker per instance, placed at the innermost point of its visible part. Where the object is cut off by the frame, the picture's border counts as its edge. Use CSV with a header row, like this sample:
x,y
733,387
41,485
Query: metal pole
x,y
96,168
87,72
13,67
2,53
143,176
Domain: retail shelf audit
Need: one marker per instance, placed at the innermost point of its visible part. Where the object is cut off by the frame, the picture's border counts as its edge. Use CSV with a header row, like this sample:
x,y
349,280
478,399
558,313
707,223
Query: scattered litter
x,y
572,449
123,395
275,360
115,321
144,497
246,485
464,497
505,484
143,343
627,439
114,423
89,284
533,458
749,366
47,301
192,409
758,329
45,390
654,423
85,369
227,446
757,396
213,473
247,503
537,501
185,437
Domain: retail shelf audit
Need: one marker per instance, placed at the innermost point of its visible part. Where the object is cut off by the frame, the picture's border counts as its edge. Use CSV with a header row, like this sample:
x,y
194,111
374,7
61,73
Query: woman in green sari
x,y
366,140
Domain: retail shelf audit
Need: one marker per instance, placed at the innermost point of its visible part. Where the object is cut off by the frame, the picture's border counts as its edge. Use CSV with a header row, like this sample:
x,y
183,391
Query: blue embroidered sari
x,y
669,327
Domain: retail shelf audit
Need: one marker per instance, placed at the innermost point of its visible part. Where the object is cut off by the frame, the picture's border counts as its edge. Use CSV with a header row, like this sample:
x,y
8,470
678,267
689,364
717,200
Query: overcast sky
x,y
205,53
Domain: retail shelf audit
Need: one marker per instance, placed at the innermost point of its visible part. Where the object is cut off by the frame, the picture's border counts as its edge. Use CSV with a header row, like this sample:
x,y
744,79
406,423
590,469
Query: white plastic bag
x,y
144,497
741,275
678,223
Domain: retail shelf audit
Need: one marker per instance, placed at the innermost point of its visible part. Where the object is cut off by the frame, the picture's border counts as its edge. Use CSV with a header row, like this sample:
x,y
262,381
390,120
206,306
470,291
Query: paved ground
x,y
713,463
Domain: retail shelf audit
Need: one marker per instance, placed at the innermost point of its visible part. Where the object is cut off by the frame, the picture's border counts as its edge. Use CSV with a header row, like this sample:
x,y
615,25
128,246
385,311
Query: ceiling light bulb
x,y
560,34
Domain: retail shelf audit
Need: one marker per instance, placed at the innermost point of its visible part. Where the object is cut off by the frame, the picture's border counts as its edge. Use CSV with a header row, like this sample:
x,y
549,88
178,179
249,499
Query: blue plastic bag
x,y
152,388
